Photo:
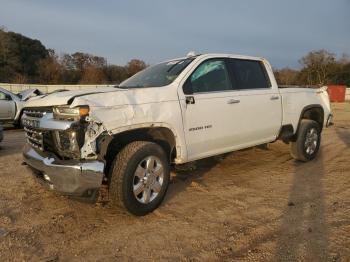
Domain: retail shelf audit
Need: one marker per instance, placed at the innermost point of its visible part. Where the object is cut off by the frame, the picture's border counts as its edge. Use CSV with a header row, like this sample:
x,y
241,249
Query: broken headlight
x,y
67,143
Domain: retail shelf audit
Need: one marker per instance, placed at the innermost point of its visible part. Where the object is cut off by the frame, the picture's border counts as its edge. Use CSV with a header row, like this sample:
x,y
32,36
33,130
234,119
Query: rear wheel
x,y
308,140
140,177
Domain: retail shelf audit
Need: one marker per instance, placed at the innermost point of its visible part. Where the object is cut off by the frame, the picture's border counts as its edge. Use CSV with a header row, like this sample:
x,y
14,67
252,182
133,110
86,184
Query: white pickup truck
x,y
178,111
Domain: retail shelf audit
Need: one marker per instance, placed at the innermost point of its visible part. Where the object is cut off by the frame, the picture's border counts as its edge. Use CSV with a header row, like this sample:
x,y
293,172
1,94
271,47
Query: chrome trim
x,y
33,113
232,90
47,122
33,131
71,177
34,139
36,142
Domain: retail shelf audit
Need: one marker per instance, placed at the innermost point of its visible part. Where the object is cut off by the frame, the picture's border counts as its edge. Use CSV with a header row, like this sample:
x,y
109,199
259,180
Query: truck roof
x,y
212,55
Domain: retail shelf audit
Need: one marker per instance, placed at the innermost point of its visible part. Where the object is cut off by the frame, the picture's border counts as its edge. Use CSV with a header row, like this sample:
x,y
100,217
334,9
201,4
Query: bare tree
x,y
134,66
93,75
317,65
49,69
286,76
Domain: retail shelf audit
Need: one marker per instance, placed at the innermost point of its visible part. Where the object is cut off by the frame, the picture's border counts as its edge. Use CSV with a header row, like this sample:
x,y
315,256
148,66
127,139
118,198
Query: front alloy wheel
x,y
148,179
139,177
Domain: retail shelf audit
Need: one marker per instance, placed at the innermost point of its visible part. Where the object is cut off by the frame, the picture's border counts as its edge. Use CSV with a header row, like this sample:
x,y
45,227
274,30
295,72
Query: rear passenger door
x,y
257,113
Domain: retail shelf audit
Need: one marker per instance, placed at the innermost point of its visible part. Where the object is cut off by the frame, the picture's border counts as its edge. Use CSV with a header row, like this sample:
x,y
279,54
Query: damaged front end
x,y
61,147
79,141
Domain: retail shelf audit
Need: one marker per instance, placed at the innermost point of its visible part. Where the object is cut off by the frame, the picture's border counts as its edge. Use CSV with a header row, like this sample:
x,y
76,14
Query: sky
x,y
155,30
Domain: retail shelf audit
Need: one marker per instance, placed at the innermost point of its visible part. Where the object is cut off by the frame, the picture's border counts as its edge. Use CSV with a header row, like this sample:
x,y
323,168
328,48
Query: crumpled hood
x,y
106,98
63,98
29,93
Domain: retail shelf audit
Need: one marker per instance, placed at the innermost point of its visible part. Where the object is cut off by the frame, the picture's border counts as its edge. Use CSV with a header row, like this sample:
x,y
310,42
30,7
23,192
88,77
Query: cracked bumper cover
x,y
71,177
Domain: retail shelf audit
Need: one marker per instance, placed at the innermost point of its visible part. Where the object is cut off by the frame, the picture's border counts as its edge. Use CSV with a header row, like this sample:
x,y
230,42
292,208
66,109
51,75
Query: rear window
x,y
248,74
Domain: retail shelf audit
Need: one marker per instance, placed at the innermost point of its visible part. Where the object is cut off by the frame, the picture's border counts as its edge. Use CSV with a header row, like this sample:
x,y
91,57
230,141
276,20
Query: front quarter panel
x,y
138,108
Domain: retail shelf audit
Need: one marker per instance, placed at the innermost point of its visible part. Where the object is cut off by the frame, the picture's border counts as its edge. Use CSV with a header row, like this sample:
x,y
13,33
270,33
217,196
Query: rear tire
x,y
139,177
308,141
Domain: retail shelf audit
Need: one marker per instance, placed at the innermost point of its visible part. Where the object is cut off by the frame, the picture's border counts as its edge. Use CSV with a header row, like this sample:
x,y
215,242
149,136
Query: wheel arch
x,y
109,145
313,112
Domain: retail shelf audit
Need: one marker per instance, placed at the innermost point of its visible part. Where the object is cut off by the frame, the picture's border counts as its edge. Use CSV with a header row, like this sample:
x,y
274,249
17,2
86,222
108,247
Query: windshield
x,y
158,75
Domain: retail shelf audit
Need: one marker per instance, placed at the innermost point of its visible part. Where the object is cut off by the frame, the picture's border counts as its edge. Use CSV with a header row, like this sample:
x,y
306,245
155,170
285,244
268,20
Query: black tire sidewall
x,y
128,198
303,132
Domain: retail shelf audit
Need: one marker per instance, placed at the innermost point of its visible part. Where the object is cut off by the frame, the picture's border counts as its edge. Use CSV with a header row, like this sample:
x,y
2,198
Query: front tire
x,y
308,141
140,177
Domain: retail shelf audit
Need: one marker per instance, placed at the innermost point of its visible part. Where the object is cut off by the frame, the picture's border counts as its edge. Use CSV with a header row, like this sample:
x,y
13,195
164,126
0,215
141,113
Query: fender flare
x,y
306,108
180,151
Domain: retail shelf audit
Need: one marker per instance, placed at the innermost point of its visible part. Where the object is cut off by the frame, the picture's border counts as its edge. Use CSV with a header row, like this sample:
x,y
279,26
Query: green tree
x,y
19,56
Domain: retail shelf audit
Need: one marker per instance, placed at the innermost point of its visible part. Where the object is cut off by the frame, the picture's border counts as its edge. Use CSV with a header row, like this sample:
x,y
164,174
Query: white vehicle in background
x,y
170,113
11,105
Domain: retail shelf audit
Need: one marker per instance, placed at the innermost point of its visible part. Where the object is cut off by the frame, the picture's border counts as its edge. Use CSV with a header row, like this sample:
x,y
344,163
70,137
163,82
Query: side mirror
x,y
8,97
187,87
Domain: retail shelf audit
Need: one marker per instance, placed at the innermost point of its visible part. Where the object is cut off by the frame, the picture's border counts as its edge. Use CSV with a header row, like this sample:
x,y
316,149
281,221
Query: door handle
x,y
233,101
275,97
190,100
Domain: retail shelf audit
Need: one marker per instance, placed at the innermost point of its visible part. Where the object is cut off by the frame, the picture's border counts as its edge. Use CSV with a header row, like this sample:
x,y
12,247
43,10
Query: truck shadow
x,y
303,234
183,176
344,135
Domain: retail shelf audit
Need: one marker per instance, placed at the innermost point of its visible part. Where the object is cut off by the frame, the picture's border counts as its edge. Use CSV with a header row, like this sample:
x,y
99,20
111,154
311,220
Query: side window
x,y
210,76
3,96
248,74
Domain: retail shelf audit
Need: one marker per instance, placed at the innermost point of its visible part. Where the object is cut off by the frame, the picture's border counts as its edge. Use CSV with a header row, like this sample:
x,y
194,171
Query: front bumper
x,y
71,177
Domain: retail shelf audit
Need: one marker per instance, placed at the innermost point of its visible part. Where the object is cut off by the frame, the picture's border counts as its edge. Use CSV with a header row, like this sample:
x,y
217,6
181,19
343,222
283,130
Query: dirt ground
x,y
250,205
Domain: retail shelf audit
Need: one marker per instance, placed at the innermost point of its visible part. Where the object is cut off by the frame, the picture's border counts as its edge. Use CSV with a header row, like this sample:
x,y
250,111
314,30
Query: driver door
x,y
206,109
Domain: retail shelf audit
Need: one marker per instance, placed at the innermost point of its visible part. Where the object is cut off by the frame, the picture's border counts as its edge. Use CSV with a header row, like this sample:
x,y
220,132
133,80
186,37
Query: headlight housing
x,y
70,113
67,143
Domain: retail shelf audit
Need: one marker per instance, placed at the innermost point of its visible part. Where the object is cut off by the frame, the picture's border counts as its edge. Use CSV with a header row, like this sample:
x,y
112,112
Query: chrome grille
x,y
34,138
30,121
63,143
34,113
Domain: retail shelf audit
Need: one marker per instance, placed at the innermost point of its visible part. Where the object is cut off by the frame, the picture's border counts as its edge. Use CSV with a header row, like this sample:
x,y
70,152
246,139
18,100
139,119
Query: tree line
x,y
26,60
319,67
